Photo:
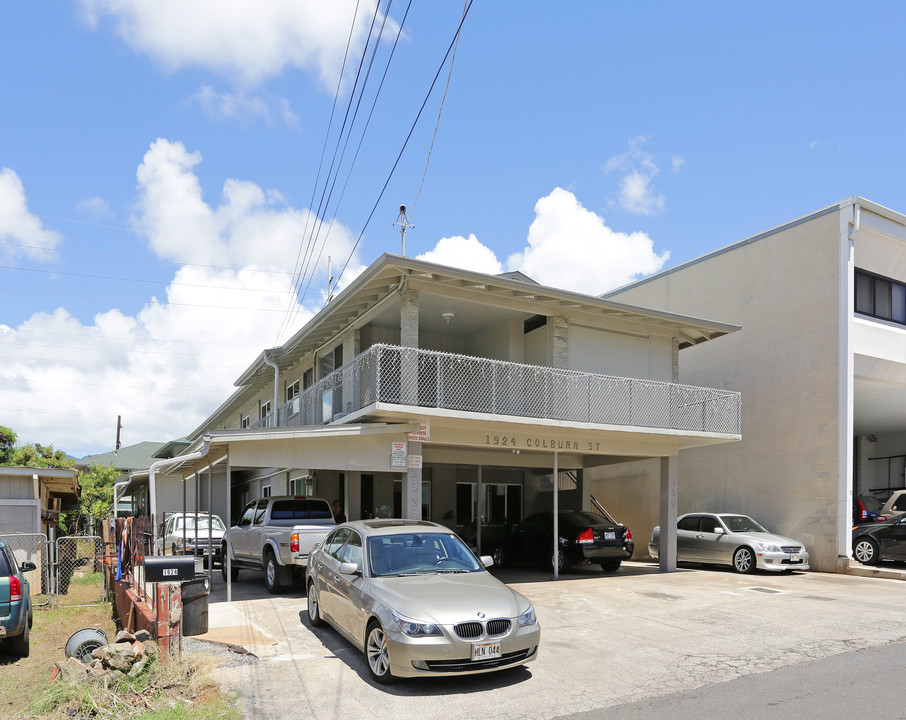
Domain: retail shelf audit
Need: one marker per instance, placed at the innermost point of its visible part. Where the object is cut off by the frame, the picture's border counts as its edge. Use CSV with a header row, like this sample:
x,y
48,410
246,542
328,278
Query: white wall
x,y
782,289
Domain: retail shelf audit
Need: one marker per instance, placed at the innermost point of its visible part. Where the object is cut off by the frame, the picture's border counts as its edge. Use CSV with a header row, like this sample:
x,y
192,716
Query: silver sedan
x,y
415,599
732,539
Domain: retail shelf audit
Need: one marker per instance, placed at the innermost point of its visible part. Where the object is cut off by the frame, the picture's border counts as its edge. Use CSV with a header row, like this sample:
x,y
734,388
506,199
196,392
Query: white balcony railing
x,y
424,378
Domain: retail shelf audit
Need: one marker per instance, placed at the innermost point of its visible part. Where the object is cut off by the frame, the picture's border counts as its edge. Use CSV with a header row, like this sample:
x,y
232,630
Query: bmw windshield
x,y
419,553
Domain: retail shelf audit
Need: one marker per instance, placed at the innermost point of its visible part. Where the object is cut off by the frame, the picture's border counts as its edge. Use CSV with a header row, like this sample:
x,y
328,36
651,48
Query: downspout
x,y
178,460
276,383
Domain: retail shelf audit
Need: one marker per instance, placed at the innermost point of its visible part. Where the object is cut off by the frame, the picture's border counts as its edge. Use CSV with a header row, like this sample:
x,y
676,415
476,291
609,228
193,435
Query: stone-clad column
x,y
409,339
559,342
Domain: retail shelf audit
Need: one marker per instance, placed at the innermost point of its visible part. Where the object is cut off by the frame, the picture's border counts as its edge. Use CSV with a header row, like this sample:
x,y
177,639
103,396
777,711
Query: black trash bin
x,y
195,606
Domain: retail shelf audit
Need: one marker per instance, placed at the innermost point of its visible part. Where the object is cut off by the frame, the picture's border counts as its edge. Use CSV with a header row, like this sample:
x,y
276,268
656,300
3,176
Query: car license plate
x,y
794,557
486,651
610,535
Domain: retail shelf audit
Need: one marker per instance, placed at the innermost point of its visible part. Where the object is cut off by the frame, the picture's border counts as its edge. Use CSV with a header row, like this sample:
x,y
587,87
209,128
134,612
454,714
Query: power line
x,y
141,259
67,361
90,414
122,387
408,137
143,351
167,283
122,337
439,111
152,301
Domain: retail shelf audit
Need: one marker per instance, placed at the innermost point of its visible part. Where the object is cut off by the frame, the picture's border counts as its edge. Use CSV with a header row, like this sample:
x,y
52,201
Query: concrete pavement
x,y
607,640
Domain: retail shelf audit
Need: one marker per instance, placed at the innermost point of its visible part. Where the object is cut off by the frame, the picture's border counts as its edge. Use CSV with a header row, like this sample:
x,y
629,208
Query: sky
x,y
178,179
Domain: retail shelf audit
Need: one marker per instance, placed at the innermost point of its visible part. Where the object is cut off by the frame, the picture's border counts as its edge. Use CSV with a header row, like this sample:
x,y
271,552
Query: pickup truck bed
x,y
276,535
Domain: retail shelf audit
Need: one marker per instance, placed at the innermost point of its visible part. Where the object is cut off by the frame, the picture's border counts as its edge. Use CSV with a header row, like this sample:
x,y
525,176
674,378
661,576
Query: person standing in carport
x,y
338,516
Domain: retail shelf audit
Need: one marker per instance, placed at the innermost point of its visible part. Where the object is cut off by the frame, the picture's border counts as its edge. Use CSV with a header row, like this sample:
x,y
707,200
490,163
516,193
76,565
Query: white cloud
x,y
95,207
637,193
464,253
18,226
169,365
676,163
572,248
247,42
246,108
813,144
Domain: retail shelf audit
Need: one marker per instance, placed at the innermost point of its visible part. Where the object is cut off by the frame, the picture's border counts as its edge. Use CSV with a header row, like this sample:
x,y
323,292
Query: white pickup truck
x,y
276,534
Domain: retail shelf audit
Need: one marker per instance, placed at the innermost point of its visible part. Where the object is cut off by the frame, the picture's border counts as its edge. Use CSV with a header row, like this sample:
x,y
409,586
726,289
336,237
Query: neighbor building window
x,y
880,297
263,411
245,421
292,391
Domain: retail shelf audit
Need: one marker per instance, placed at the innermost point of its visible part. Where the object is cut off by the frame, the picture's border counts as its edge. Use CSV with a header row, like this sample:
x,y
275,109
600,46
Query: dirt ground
x,y
22,678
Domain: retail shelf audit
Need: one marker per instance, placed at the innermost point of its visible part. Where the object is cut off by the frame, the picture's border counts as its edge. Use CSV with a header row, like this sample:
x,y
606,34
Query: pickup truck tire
x,y
272,574
314,609
234,571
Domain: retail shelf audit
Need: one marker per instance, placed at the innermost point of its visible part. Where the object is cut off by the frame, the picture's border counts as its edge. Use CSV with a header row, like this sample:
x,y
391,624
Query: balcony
x,y
390,375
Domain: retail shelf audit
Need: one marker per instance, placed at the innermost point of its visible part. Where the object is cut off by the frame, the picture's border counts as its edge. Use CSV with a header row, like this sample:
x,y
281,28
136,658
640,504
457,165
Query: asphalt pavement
x,y
609,642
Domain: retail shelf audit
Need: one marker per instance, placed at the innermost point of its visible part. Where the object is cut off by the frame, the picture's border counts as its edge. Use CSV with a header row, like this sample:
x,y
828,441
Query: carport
x,y
552,447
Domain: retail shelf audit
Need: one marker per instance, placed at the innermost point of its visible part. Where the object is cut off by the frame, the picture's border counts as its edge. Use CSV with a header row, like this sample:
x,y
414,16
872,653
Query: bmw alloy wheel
x,y
377,653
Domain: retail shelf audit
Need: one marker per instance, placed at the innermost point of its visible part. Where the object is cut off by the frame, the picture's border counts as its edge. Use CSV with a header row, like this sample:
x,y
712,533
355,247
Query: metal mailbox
x,y
169,568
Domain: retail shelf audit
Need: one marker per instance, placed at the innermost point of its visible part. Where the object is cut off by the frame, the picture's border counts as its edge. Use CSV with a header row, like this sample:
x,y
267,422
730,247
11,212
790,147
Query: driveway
x,y
606,640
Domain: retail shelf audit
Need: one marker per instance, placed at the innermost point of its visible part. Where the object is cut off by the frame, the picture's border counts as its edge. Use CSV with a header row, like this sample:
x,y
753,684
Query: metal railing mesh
x,y
81,580
32,547
431,379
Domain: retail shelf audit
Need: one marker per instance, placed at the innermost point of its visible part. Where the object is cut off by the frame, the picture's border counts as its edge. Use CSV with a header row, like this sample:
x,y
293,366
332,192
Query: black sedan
x,y
585,537
880,541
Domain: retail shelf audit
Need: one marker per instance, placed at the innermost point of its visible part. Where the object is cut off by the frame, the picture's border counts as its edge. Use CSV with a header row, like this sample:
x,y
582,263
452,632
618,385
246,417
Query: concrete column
x,y
675,359
559,342
412,495
667,543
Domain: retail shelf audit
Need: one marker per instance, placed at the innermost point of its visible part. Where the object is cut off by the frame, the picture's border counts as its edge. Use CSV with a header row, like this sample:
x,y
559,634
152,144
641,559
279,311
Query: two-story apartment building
x,y
425,391
821,361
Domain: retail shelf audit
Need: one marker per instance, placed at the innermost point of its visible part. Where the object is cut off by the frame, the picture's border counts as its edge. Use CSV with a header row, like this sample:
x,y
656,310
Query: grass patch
x,y
178,689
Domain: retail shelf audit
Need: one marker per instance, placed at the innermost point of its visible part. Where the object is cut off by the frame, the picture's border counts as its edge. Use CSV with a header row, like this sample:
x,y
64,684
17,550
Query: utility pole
x,y
119,426
329,281
404,225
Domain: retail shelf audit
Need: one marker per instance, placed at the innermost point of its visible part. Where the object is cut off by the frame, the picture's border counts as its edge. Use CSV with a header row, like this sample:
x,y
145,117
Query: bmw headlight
x,y
414,628
528,617
767,547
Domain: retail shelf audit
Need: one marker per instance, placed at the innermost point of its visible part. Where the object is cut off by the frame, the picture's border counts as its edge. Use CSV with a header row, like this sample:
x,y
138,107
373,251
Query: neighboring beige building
x,y
431,392
31,499
820,361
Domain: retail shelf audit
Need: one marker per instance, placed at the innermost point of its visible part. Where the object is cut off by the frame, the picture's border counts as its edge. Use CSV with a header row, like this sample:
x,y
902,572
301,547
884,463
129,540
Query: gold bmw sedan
x,y
414,598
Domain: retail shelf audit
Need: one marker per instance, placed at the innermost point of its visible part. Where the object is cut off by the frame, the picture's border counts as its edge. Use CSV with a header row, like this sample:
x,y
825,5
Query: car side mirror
x,y
486,560
27,567
718,531
348,568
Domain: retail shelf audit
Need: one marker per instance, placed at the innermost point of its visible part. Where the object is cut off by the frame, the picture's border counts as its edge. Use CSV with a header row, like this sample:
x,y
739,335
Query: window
x,y
501,503
264,410
301,509
246,519
334,542
245,421
302,485
308,377
265,490
292,391
880,297
259,512
690,523
353,552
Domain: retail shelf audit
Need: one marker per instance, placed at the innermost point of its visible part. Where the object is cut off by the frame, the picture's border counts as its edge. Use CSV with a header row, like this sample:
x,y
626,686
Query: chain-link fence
x,y
426,378
81,580
33,547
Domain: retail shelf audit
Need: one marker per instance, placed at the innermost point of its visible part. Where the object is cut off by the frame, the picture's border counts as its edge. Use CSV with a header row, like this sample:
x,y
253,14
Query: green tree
x,y
8,440
37,455
95,500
